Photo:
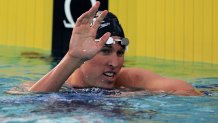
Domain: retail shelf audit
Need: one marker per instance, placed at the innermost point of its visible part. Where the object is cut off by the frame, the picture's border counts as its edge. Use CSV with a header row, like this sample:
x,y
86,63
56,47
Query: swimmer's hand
x,y
82,43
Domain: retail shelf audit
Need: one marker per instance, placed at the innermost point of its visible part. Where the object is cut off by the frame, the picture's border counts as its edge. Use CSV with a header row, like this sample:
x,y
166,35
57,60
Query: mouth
x,y
109,74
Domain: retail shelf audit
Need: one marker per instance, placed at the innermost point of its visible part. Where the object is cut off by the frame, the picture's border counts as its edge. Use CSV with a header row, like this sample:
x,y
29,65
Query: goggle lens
x,y
123,41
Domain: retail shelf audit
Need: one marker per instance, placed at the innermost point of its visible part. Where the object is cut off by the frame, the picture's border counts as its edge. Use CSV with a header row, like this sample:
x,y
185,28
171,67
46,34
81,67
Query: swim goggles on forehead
x,y
122,41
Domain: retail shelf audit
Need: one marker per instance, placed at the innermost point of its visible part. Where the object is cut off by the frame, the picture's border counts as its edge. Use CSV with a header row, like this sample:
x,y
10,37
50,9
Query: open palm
x,y
82,43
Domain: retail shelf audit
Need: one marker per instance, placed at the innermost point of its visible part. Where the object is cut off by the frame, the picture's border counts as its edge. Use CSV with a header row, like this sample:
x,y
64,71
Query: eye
x,y
120,53
106,51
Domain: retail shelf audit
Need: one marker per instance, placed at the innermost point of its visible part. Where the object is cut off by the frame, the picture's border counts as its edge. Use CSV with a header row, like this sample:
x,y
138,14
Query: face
x,y
102,70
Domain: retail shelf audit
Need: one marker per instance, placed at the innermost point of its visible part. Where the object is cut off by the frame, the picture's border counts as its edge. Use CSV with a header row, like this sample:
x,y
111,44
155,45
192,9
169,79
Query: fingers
x,y
87,16
99,19
103,39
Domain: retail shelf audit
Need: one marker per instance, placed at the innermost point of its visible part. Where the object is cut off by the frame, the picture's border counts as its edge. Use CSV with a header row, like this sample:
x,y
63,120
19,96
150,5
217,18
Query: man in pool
x,y
95,59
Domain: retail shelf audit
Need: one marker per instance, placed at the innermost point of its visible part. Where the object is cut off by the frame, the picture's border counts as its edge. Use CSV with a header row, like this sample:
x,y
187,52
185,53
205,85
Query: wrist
x,y
75,58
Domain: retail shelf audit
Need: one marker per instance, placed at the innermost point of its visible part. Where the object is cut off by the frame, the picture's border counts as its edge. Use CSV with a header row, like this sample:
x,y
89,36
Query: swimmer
x,y
95,59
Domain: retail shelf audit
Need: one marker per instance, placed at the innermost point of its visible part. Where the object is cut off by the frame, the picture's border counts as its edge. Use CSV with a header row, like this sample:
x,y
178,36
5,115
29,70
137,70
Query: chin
x,y
107,85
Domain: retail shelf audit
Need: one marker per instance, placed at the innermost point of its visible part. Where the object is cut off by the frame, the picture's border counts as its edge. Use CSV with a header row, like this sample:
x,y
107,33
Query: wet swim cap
x,y
109,24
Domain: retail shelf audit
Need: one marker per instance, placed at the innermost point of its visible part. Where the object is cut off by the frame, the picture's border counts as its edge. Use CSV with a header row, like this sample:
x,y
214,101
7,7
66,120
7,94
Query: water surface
x,y
19,65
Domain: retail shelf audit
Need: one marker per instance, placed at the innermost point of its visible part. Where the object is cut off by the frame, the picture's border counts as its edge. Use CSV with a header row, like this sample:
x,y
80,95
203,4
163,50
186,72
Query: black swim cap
x,y
109,24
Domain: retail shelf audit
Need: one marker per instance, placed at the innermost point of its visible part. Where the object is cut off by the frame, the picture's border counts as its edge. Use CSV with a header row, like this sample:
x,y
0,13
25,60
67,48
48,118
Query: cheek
x,y
98,60
121,62
92,67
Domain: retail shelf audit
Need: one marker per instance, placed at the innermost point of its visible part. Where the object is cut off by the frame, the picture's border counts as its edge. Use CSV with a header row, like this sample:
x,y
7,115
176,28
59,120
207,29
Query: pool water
x,y
94,105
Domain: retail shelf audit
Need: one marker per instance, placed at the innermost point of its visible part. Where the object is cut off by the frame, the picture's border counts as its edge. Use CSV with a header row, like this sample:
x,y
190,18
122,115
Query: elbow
x,y
182,88
36,89
185,89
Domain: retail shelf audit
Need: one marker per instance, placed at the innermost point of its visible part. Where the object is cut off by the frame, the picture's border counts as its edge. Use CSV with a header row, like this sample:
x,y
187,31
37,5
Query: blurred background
x,y
180,30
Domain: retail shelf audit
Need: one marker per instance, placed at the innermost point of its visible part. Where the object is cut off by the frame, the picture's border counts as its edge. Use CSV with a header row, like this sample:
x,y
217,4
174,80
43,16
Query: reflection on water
x,y
19,65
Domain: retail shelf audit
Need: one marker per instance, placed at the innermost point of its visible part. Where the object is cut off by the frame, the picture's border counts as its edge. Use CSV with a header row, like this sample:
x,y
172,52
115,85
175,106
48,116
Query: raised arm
x,y
82,47
140,78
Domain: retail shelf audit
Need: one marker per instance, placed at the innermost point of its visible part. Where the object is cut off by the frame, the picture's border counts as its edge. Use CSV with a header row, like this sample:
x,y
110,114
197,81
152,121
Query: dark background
x,y
60,34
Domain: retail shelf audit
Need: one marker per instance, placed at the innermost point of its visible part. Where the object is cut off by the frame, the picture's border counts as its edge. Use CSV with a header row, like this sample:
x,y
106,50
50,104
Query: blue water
x,y
94,105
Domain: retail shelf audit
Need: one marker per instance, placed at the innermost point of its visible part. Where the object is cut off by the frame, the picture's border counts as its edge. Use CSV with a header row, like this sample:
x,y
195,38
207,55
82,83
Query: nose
x,y
114,60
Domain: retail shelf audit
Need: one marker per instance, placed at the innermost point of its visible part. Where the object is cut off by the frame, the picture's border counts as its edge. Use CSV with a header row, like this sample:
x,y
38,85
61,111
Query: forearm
x,y
53,80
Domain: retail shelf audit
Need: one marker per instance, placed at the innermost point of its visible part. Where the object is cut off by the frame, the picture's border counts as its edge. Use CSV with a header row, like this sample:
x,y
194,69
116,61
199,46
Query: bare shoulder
x,y
138,73
135,77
